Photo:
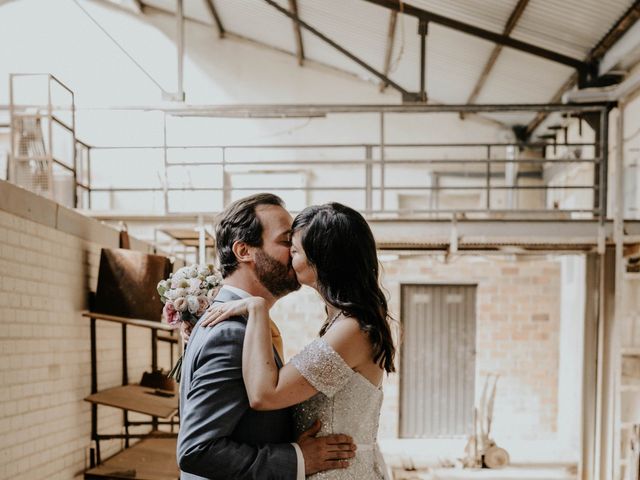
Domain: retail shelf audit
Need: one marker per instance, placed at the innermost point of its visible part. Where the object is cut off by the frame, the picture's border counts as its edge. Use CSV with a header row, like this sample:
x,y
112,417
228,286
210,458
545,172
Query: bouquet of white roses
x,y
187,293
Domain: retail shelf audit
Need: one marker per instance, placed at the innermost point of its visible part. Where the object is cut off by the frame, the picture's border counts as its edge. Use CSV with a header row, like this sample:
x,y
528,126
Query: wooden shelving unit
x,y
154,456
134,398
151,458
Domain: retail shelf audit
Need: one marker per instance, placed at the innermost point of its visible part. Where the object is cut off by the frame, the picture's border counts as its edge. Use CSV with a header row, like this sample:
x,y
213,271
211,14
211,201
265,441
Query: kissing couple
x,y
244,413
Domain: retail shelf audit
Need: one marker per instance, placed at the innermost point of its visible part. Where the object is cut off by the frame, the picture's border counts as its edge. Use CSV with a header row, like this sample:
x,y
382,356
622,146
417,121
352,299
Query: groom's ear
x,y
242,251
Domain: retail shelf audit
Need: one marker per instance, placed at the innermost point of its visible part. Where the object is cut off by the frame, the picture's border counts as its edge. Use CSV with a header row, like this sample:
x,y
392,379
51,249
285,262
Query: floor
x,y
522,472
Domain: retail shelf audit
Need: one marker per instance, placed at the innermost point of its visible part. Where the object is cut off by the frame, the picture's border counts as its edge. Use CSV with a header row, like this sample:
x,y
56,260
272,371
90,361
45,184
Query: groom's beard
x,y
276,277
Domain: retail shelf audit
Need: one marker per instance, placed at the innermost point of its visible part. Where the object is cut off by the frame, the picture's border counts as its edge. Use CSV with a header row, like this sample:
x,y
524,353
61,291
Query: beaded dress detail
x,y
347,403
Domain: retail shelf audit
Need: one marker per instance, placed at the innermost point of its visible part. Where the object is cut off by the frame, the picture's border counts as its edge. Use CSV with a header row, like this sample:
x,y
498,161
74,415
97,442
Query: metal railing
x,y
39,159
370,186
439,180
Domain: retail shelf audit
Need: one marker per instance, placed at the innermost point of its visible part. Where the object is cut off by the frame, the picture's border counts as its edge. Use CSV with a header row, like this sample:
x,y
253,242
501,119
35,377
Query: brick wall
x,y
518,318
49,260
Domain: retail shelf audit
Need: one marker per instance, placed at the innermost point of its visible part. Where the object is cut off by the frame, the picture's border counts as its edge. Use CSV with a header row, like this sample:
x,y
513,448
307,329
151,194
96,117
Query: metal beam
x,y
423,29
216,17
481,234
500,39
624,23
511,23
391,35
293,6
341,49
411,234
299,110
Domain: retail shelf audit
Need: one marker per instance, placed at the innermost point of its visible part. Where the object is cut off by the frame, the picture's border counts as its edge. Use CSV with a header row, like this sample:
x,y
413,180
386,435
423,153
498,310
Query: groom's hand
x,y
325,453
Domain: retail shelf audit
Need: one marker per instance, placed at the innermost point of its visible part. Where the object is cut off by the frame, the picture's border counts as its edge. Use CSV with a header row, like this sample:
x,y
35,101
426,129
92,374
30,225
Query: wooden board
x,y
127,282
150,459
138,399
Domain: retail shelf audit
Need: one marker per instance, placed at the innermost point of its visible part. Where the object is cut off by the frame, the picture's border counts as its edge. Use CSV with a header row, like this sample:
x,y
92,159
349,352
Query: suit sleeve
x,y
215,403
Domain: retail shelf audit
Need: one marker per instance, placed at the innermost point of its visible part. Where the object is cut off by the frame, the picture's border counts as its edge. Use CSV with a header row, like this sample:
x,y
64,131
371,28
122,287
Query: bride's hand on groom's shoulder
x,y
218,312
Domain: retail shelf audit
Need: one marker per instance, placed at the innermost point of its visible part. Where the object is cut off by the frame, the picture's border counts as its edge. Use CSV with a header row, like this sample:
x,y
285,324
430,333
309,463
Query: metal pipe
x,y
154,368
353,189
89,178
398,161
382,161
423,28
318,109
338,145
202,241
165,165
619,296
74,151
279,111
368,180
180,41
604,154
488,186
50,140
94,387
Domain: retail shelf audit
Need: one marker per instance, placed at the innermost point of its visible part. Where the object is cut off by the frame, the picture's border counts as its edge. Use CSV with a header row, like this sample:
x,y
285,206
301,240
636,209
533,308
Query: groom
x,y
220,436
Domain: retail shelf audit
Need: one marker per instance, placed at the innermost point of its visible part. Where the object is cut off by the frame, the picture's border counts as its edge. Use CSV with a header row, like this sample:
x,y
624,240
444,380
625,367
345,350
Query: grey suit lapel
x,y
226,295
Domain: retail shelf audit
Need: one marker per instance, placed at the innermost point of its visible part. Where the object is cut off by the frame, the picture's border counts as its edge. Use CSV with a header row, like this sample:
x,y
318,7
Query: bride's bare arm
x,y
267,387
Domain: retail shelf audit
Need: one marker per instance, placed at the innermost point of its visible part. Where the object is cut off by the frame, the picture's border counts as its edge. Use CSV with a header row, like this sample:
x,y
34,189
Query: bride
x,y
337,378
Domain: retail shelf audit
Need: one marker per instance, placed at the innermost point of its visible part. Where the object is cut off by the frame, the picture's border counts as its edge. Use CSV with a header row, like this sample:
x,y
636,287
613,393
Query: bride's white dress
x,y
346,403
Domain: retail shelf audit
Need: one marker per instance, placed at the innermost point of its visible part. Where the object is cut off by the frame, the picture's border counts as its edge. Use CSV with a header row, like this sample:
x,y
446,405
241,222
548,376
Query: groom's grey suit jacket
x,y
220,436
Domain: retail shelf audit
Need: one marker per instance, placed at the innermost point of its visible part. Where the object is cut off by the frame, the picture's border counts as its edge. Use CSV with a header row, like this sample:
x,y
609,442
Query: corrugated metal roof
x,y
571,27
257,21
359,27
451,72
488,14
454,59
518,75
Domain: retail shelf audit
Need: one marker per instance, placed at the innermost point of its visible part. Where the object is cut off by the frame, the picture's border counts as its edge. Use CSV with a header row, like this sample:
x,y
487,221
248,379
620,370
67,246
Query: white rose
x,y
182,273
193,304
171,294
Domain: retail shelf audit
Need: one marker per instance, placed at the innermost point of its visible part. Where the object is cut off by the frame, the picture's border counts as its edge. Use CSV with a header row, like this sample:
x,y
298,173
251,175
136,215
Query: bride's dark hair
x,y
339,244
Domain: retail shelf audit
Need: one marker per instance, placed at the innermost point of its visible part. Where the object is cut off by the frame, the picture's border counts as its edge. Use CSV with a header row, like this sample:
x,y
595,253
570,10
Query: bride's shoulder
x,y
346,333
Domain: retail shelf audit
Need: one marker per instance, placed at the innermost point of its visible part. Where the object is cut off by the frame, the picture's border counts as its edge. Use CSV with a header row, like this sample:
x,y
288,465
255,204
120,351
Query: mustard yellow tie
x,y
276,339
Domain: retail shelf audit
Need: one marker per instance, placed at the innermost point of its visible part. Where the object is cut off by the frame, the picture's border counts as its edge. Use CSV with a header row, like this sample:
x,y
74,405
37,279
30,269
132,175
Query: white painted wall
x,y
571,347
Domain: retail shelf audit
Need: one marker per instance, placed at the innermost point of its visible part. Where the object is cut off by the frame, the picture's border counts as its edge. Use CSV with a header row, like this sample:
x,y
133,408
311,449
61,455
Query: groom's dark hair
x,y
239,223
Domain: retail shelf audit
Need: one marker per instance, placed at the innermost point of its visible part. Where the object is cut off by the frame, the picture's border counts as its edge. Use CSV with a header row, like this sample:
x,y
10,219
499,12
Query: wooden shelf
x,y
137,322
149,459
138,399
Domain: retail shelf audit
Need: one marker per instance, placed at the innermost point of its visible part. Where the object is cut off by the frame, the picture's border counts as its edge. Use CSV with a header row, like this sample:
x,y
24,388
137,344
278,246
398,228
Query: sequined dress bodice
x,y
347,403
